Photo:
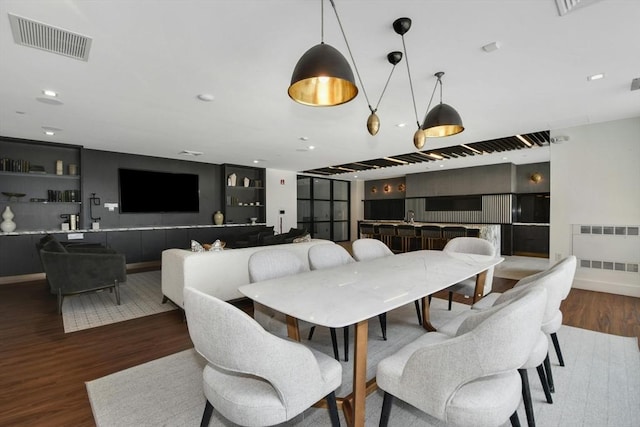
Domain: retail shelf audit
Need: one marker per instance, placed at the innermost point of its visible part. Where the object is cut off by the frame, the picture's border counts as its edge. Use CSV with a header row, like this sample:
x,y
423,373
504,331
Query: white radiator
x,y
607,247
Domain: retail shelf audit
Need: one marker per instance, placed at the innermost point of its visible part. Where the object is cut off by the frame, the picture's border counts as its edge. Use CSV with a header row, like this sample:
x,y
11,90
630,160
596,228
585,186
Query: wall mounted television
x,y
143,191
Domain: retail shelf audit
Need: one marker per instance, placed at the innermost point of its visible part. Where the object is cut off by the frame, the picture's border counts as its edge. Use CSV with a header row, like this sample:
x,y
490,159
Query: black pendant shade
x,y
442,120
322,77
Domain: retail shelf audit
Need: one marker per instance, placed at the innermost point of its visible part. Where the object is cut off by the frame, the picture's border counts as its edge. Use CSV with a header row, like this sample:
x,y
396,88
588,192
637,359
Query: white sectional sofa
x,y
217,273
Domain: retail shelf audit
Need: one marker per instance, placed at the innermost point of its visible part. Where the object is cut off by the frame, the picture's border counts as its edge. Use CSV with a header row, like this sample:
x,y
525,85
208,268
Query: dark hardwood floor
x,y
43,370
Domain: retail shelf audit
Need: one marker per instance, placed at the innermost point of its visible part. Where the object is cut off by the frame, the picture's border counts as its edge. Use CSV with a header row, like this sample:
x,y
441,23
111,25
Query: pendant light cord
x,y
431,99
413,97
350,54
322,21
383,90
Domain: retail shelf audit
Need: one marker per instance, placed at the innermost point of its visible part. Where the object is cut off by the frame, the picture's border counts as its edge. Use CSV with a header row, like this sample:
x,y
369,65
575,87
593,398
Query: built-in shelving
x,y
243,194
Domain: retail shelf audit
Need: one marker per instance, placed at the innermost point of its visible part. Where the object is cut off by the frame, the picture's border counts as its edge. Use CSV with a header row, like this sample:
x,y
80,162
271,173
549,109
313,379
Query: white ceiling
x,y
150,59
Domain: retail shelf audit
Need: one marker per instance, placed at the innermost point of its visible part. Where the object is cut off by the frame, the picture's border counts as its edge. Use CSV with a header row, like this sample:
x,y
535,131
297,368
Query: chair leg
x,y
450,299
547,370
206,415
544,382
383,325
60,298
333,409
116,286
311,331
526,397
346,343
418,312
386,409
556,345
515,421
334,343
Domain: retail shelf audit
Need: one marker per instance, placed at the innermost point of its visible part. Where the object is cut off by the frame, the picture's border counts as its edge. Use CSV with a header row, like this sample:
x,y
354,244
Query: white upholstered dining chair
x,y
472,378
470,245
327,256
370,249
271,264
254,378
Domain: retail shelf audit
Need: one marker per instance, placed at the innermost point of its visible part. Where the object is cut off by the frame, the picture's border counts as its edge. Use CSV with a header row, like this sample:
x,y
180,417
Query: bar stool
x,y
451,232
431,237
367,231
387,235
408,237
473,232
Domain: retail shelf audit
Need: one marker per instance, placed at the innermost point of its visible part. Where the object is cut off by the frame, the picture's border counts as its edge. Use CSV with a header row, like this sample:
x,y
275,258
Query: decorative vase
x,y
7,225
218,218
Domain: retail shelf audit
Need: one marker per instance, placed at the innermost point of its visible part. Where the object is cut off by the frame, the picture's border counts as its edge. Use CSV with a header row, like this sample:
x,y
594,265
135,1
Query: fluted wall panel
x,y
496,209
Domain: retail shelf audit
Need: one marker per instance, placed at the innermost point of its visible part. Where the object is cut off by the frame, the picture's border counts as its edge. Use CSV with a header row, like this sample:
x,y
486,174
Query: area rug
x,y
140,296
599,386
517,267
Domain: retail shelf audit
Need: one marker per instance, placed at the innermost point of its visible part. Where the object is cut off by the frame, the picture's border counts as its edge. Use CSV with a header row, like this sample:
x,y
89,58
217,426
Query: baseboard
x,y
608,287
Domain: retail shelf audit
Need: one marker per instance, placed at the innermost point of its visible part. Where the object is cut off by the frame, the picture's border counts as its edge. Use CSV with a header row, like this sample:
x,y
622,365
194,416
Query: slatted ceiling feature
x,y
537,139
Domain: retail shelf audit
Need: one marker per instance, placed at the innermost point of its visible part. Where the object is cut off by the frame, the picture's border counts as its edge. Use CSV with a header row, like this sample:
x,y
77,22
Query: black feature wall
x,y
99,173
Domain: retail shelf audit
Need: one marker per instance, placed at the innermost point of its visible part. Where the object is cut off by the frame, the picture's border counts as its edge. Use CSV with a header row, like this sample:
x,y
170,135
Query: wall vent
x,y
566,6
35,34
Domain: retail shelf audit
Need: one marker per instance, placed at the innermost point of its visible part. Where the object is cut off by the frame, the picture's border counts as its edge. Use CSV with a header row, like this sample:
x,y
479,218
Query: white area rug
x,y
517,267
140,295
599,386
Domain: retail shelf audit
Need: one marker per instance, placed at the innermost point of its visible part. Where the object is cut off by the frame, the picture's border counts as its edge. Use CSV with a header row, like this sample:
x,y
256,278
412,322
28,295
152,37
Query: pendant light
x,y
322,77
443,120
373,122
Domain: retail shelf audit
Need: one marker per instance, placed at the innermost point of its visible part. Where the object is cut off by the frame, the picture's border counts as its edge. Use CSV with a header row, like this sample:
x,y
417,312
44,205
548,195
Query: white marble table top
x,y
350,293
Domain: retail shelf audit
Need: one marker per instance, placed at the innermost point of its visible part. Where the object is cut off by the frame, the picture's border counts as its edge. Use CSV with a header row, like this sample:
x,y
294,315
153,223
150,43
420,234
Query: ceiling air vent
x,y
566,6
51,39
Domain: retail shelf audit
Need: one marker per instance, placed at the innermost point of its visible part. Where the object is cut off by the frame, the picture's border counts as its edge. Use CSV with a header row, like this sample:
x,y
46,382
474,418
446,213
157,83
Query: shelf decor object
x,y
7,224
443,119
218,218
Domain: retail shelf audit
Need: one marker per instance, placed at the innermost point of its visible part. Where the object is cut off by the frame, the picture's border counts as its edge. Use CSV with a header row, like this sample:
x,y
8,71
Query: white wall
x,y
595,180
357,207
281,192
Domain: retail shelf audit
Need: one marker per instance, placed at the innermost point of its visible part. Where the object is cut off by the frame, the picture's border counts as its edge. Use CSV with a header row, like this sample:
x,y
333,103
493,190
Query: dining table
x,y
353,293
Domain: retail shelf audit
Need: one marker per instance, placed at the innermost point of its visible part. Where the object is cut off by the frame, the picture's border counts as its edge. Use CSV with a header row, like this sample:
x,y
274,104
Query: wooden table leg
x,y
479,290
354,405
426,323
292,328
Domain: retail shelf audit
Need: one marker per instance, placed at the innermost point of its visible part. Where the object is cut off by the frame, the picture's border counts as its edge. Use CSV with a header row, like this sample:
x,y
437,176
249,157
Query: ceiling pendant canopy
x,y
323,77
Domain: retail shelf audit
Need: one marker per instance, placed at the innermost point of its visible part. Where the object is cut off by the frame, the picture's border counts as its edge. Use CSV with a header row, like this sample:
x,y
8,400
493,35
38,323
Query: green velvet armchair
x,y
77,269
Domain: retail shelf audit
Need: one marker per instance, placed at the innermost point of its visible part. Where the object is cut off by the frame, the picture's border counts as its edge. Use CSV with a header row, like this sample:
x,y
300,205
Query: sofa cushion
x,y
53,245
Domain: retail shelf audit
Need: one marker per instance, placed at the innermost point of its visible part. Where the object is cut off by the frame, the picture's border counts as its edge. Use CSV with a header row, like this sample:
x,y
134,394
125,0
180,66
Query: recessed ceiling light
x,y
355,176
596,77
505,158
401,125
441,166
312,147
49,92
491,47
49,132
206,97
256,161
